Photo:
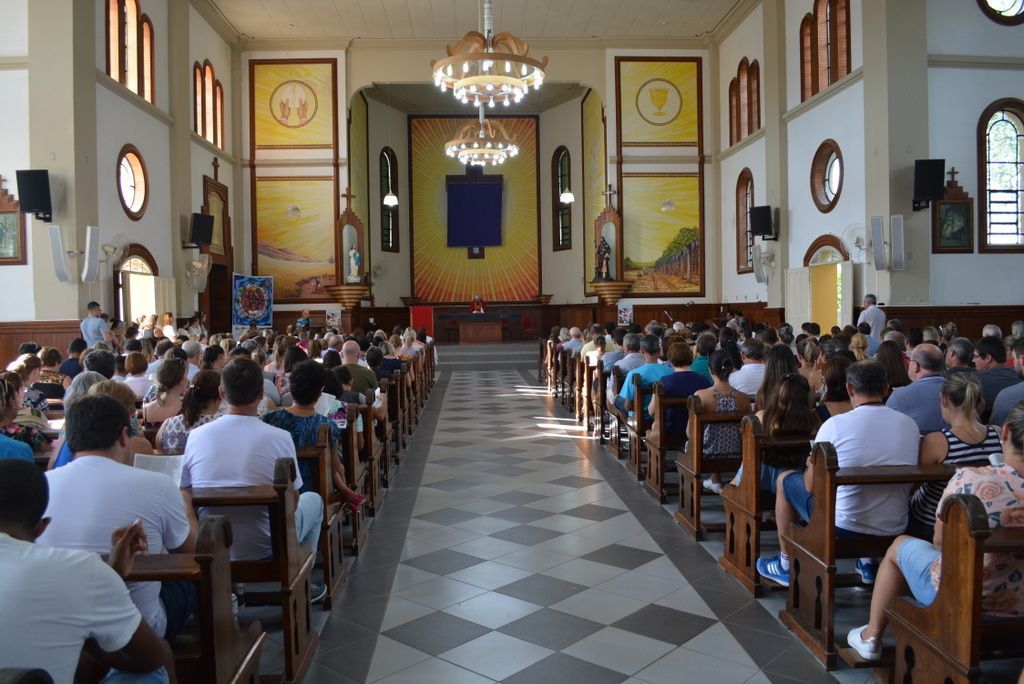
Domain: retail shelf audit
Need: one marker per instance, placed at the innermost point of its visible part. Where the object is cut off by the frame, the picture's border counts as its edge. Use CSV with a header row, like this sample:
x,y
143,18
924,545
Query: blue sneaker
x,y
771,568
867,571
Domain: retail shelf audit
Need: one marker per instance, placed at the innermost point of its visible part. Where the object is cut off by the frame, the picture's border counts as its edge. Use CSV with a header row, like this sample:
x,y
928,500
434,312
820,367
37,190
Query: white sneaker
x,y
868,649
712,486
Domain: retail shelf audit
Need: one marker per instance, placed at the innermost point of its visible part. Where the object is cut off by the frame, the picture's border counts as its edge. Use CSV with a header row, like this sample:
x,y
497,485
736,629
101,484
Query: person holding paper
x,y
98,492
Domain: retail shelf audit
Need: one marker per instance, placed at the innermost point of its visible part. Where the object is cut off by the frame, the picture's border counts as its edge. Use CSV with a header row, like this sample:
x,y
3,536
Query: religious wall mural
x,y
293,104
507,272
358,162
595,177
659,101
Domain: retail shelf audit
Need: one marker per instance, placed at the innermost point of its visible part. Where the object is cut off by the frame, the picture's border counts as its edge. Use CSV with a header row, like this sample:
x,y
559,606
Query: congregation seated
x,y
575,342
302,422
72,365
650,372
1014,394
779,362
990,362
254,448
200,404
966,442
705,347
213,358
79,388
100,491
615,349
362,377
682,382
61,604
101,361
160,351
9,404
390,363
920,399
50,372
137,443
164,401
869,435
916,564
890,356
374,357
807,355
722,440
29,424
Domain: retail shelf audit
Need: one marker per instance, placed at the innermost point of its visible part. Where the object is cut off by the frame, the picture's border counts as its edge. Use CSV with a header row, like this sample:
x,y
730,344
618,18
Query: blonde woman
x,y
807,352
859,346
408,348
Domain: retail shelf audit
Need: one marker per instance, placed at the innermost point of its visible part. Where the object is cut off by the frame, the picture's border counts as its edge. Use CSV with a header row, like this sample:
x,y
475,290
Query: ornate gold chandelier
x,y
481,143
485,69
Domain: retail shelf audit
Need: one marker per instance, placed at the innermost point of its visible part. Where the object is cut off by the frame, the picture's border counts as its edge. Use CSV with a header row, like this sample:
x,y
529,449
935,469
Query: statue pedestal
x,y
544,299
610,291
349,297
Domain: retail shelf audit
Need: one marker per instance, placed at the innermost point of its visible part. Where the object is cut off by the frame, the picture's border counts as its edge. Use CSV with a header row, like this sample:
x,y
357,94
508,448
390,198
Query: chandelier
x,y
481,143
485,69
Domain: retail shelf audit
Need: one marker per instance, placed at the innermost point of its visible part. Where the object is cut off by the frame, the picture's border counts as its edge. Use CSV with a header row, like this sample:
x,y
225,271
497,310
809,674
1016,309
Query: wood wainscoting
x,y
969,319
44,333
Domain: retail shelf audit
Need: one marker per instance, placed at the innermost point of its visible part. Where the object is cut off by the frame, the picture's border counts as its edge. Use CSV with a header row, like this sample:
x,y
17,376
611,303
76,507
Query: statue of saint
x,y
355,260
602,261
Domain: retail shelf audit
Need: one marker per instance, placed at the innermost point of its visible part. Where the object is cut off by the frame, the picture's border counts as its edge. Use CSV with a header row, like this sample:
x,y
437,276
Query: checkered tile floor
x,y
514,549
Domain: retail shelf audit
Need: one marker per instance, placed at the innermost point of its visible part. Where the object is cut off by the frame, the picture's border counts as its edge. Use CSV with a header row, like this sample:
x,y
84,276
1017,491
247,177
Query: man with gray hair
x,y
192,351
920,399
958,355
333,342
632,359
873,316
1014,394
362,377
574,343
748,378
992,330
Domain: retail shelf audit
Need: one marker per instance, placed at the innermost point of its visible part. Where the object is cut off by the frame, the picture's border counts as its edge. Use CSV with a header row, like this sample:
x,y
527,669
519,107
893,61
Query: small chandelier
x,y
482,143
485,69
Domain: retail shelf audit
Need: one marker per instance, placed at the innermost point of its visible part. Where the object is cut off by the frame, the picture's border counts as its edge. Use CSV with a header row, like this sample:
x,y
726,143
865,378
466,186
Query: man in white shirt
x,y
748,378
240,450
873,316
192,352
870,435
99,492
53,600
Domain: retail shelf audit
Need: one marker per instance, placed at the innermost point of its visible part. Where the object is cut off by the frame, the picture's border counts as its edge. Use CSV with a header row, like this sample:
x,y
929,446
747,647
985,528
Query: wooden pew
x,y
618,418
395,416
813,577
370,455
356,476
221,652
332,537
598,400
542,361
289,566
405,403
946,641
660,441
384,438
691,466
745,503
552,369
581,390
636,428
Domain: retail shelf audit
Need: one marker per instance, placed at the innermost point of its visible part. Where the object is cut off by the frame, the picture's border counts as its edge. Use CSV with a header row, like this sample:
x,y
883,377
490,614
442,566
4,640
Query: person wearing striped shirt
x,y
966,442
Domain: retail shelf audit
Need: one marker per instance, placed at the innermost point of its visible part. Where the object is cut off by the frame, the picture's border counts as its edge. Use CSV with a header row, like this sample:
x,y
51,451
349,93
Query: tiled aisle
x,y
514,549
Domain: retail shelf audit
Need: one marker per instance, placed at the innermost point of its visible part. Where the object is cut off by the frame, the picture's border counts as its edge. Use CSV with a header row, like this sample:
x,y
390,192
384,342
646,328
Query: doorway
x,y
216,299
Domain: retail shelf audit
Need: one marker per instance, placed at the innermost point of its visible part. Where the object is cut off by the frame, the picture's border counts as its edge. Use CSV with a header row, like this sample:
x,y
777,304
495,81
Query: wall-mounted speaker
x,y
899,258
91,258
34,193
60,257
929,176
761,222
878,243
200,229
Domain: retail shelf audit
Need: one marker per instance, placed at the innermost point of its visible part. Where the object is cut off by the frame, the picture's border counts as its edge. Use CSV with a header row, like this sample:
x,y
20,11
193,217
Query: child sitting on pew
x,y
917,564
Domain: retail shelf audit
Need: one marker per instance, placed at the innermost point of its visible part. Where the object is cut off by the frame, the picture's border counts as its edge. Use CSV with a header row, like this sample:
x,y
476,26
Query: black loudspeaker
x,y
761,222
929,179
200,229
34,193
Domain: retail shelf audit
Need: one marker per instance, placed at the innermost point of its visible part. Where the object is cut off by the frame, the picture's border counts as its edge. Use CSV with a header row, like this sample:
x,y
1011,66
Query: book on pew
x,y
170,465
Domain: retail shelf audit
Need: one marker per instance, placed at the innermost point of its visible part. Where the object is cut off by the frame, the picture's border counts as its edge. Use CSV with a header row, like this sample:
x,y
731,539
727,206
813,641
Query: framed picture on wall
x,y
12,230
953,226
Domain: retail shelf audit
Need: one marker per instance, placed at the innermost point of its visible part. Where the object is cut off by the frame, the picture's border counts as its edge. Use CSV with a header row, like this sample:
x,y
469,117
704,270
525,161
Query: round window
x,y
827,176
1009,12
132,182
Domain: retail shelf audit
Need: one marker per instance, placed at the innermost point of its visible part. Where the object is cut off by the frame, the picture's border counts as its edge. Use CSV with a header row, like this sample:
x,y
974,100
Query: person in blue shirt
x,y
681,383
11,448
650,372
94,329
706,345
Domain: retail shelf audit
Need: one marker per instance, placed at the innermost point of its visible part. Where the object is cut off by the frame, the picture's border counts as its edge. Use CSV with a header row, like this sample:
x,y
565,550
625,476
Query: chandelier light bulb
x,y
506,99
490,103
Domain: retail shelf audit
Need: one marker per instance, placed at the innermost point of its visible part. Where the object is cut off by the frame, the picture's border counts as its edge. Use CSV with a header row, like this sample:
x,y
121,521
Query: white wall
x,y
956,27
14,29
795,11
741,287
841,118
14,155
562,272
388,126
746,40
116,125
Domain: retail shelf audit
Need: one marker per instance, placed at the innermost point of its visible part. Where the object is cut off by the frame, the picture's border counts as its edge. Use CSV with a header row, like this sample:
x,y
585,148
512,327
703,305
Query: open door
x,y
798,300
846,293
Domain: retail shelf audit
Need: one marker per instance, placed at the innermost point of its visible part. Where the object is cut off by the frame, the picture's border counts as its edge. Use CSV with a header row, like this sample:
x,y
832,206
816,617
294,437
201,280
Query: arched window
x,y
744,101
824,46
1005,12
208,103
561,214
130,47
388,215
1001,177
744,234
135,265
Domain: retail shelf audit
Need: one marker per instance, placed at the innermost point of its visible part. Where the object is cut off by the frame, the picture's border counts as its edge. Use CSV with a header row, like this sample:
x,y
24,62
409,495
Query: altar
x,y
479,328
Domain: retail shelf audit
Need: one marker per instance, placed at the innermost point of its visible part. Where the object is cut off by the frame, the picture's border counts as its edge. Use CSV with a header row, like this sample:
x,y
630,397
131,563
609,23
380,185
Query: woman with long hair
x,y
891,358
199,406
835,399
807,352
213,358
171,383
966,442
778,363
722,440
859,346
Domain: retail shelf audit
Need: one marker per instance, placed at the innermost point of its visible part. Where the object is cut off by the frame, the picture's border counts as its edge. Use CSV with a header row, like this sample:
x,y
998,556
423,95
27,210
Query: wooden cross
x,y
608,195
216,169
348,197
953,173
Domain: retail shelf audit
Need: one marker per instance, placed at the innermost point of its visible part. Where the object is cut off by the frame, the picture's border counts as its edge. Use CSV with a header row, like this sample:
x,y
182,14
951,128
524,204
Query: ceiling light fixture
x,y
481,143
490,68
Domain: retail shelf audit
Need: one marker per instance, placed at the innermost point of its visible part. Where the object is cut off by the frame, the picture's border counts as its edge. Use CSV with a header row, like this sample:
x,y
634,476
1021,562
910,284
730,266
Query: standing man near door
x,y
94,329
873,316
